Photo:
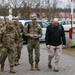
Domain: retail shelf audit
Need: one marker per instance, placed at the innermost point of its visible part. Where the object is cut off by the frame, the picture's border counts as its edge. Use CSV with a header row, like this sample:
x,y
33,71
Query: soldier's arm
x,y
40,32
1,38
21,26
25,31
16,37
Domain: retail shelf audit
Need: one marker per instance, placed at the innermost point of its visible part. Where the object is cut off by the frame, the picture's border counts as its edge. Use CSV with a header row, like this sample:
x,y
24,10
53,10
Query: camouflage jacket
x,y
34,29
8,37
19,29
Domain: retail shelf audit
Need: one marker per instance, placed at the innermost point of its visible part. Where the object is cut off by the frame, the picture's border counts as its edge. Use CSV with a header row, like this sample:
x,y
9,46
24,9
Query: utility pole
x,y
71,29
71,13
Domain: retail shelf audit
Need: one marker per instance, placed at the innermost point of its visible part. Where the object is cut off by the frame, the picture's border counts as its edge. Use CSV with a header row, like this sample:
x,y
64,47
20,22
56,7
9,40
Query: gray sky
x,y
64,3
61,5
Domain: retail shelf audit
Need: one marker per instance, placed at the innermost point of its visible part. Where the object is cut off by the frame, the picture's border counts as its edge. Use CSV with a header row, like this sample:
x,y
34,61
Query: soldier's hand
x,y
20,34
0,32
48,46
36,37
1,45
31,35
16,45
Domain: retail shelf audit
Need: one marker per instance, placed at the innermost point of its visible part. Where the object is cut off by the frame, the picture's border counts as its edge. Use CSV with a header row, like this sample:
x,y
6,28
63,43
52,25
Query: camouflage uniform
x,y
1,49
8,39
19,28
1,25
33,43
20,40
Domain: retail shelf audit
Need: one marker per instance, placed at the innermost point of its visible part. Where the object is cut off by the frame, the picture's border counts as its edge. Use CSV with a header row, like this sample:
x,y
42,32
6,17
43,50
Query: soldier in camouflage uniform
x,y
9,42
20,41
19,27
1,49
35,32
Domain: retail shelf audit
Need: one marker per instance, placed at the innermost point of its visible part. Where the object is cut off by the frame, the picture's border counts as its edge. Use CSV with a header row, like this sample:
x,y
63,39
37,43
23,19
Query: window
x,y
67,22
73,22
44,25
40,23
27,23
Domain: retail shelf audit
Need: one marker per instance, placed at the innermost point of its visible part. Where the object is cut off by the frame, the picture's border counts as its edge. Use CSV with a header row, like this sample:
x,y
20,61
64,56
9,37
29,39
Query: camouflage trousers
x,y
3,54
10,53
36,47
18,51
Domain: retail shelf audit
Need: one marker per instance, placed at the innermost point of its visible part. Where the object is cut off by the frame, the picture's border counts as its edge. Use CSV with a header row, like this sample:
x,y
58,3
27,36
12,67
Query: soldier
x,y
20,41
1,49
8,41
35,32
19,27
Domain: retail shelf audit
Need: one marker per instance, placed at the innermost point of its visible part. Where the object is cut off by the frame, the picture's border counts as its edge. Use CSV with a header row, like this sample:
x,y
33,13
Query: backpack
x,y
25,38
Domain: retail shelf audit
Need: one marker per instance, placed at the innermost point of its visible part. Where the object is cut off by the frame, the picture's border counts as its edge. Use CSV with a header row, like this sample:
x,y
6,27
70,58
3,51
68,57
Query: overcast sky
x,y
64,3
61,5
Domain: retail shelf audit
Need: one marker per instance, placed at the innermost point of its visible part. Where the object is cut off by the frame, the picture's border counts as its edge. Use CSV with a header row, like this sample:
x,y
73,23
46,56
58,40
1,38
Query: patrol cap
x,y
33,17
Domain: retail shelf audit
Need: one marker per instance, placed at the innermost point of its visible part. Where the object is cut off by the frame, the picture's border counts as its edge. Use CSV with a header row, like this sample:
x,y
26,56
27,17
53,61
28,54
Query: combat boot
x,y
37,66
49,66
32,67
2,67
11,69
16,63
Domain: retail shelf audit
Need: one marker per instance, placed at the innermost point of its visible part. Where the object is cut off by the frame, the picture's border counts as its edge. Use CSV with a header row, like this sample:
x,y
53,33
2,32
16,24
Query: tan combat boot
x,y
37,67
11,69
32,67
2,67
17,62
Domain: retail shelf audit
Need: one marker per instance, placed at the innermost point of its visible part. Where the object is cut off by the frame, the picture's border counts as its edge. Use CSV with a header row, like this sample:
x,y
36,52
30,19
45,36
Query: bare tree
x,y
27,7
3,8
66,8
52,8
16,4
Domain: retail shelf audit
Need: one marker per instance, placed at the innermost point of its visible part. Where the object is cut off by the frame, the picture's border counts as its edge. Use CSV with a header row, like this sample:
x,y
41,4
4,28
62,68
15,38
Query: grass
x,y
70,51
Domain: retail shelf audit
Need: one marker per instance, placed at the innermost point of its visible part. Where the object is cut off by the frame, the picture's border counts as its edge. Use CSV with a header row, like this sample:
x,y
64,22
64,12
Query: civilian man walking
x,y
55,41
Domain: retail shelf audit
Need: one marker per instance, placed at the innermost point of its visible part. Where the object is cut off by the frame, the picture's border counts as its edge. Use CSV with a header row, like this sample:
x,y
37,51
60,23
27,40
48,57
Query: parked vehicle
x,y
49,22
67,25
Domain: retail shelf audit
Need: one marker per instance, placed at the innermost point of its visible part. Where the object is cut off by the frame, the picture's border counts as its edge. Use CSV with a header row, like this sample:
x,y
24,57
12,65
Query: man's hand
x,y
31,35
63,46
48,46
16,45
1,45
0,32
20,34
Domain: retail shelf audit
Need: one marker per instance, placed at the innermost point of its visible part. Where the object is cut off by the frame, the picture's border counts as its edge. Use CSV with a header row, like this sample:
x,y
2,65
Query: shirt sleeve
x,y
16,37
63,36
40,32
47,36
25,31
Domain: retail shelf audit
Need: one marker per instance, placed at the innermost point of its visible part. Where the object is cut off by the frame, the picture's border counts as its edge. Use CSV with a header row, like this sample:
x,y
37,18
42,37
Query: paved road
x,y
66,65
